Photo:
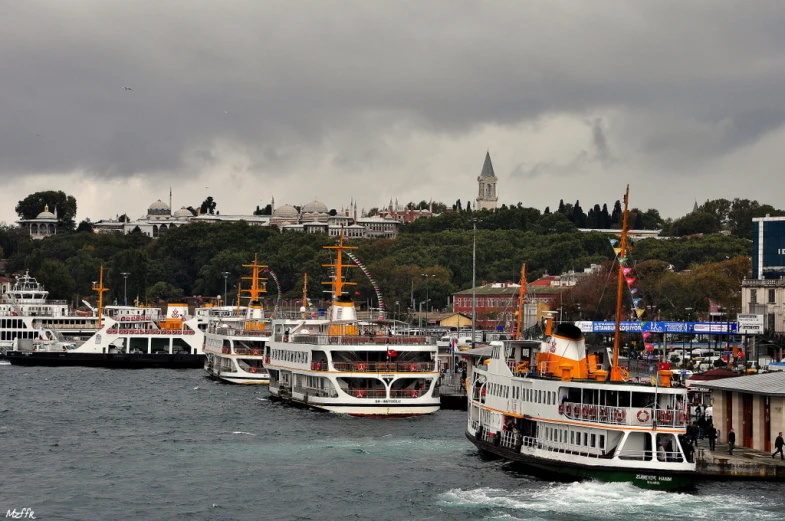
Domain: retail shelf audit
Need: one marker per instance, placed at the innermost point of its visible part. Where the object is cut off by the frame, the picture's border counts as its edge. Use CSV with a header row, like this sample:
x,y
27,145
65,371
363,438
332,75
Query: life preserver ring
x,y
361,366
643,416
568,409
603,413
585,411
620,414
359,393
254,369
561,408
682,417
413,368
414,393
256,351
266,359
665,416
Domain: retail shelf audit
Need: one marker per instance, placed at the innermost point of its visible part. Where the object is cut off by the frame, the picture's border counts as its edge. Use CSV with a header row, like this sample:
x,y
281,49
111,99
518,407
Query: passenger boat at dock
x,y
128,337
341,365
235,341
568,410
25,309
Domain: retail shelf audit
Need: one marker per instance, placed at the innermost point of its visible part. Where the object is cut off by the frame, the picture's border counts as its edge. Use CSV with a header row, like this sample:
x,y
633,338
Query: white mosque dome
x,y
315,207
46,214
286,212
158,208
183,213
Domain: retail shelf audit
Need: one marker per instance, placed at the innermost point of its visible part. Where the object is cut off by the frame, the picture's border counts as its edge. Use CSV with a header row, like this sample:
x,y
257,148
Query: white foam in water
x,y
243,432
598,500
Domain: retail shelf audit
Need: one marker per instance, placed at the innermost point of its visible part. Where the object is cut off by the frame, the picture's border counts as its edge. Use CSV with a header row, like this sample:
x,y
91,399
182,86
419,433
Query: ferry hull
x,y
369,410
642,478
111,360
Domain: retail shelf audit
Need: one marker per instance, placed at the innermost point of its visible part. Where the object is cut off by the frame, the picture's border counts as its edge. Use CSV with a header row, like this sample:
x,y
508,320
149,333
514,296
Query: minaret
x,y
486,197
170,199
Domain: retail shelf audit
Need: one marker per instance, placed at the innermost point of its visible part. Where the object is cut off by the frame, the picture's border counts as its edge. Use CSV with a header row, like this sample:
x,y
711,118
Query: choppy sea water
x,y
80,443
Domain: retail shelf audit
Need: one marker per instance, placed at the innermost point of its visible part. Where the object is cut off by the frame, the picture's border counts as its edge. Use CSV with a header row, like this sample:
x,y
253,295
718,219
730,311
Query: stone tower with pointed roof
x,y
486,197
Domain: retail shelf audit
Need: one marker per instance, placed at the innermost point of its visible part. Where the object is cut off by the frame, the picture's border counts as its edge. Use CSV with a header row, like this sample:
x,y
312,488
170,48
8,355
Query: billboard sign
x,y
750,324
716,328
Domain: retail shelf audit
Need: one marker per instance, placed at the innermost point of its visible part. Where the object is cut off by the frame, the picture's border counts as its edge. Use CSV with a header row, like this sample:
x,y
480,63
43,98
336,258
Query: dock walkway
x,y
745,464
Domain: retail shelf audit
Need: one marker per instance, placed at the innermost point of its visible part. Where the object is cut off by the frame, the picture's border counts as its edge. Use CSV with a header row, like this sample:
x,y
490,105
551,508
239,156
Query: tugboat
x,y
342,365
568,410
234,344
129,337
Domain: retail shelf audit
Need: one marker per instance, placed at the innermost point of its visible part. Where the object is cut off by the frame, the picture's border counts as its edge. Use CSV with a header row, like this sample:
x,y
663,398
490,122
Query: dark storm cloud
x,y
276,79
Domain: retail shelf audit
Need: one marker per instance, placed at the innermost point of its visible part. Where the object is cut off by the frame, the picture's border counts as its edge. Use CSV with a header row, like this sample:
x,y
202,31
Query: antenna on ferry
x,y
338,283
616,375
521,298
304,309
99,287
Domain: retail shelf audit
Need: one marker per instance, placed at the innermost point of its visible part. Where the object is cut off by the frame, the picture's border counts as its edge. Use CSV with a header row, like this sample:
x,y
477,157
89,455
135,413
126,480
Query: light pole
x,y
226,276
395,318
125,287
689,320
474,222
427,299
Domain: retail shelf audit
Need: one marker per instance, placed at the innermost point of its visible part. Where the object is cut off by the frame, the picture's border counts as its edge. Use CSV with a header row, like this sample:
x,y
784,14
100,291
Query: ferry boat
x,y
25,309
235,340
127,337
341,365
569,410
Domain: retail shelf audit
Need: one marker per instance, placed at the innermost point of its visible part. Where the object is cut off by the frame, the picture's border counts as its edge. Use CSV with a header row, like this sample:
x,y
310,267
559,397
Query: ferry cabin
x,y
235,350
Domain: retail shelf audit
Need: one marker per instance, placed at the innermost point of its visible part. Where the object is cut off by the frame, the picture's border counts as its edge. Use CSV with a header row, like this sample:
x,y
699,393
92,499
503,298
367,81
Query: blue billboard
x,y
695,328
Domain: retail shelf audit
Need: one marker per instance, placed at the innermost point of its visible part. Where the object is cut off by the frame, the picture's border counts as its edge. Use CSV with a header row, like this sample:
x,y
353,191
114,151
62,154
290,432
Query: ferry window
x,y
602,441
642,400
572,437
593,440
548,398
624,399
585,438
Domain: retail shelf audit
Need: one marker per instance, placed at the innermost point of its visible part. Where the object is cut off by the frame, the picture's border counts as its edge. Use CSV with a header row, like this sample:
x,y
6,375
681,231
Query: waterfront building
x,y
43,225
764,293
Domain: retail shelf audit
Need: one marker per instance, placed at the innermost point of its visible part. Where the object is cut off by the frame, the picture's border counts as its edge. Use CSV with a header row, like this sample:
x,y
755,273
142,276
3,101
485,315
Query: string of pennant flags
x,y
278,287
622,258
373,282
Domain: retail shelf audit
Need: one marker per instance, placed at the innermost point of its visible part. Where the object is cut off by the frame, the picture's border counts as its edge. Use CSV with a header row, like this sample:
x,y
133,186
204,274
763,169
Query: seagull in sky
x,y
127,88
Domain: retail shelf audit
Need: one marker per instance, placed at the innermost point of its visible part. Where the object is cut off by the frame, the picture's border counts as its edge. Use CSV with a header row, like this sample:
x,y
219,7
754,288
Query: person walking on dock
x,y
711,433
778,444
731,441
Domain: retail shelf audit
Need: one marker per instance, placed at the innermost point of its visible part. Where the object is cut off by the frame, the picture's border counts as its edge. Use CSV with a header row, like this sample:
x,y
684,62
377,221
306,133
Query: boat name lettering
x,y
387,401
648,478
388,376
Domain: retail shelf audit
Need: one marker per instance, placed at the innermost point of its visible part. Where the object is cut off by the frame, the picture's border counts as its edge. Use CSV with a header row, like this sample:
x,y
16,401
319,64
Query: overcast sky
x,y
248,99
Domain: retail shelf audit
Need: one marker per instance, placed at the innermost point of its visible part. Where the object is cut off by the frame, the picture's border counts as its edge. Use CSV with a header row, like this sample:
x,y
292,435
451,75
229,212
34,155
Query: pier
x,y
452,394
745,464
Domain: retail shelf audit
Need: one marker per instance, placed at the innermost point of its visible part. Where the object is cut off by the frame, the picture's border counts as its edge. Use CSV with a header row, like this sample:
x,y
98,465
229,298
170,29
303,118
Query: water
x,y
78,443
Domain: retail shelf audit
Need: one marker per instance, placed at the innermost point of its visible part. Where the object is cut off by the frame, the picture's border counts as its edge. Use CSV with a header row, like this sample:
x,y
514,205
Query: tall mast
x,y
521,296
100,289
338,283
615,369
258,284
305,294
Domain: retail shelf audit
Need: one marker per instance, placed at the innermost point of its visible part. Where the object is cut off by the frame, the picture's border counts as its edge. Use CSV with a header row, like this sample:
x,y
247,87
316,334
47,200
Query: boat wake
x,y
243,432
591,500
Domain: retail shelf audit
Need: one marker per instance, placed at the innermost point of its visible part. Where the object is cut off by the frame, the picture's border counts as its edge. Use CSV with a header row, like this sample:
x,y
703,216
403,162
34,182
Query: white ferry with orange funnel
x,y
235,342
568,410
127,337
341,365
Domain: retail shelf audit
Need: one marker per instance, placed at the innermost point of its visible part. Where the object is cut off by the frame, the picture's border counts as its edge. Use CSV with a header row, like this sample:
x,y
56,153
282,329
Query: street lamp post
x,y
474,222
125,287
395,317
427,300
689,320
226,276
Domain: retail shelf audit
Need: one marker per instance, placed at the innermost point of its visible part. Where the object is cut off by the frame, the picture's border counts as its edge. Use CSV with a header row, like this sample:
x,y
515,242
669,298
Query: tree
x,y
546,211
617,214
719,207
638,221
742,212
208,206
34,204
692,224
125,219
56,278
85,226
267,210
605,218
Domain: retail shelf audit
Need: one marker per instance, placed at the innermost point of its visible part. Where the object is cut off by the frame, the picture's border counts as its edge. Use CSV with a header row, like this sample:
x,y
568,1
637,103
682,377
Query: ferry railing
x,y
247,351
320,365
227,331
647,455
407,393
562,447
634,416
321,393
366,393
385,367
357,340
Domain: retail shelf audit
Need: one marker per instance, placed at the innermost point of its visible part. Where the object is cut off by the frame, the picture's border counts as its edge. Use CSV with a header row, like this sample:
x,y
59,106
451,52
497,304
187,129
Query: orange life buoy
x,y
254,369
413,393
603,413
620,414
361,367
413,368
643,416
359,393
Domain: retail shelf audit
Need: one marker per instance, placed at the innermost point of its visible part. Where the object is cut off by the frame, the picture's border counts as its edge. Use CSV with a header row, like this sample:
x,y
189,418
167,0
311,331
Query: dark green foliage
x,y
34,204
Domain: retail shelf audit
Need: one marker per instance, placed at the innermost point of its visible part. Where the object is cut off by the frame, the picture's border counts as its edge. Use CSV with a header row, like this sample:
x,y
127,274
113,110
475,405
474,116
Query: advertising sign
x,y
705,328
750,324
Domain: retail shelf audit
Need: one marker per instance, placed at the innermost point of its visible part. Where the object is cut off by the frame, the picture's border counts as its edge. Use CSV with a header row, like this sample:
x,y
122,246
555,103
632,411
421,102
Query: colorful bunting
x,y
372,281
639,312
614,242
646,335
630,280
626,270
